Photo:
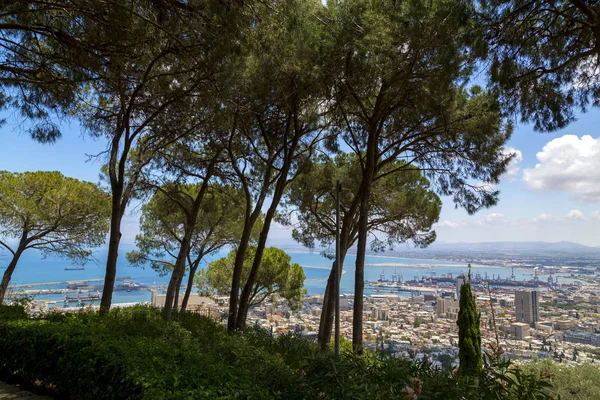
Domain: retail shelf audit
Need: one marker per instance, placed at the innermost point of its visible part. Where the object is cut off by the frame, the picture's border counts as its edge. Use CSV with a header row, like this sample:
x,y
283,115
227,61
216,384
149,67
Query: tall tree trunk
x,y
346,241
190,285
184,250
244,304
359,282
9,271
282,182
237,276
240,257
178,271
327,311
177,290
363,221
113,250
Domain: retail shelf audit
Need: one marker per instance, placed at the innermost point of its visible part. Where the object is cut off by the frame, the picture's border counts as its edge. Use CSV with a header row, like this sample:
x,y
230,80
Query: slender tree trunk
x,y
240,257
328,309
113,250
190,285
244,302
363,221
237,275
9,271
184,250
242,248
282,182
178,271
177,290
359,282
327,312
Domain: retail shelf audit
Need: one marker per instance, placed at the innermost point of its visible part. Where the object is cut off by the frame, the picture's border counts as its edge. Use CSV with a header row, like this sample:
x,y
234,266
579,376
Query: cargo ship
x,y
75,268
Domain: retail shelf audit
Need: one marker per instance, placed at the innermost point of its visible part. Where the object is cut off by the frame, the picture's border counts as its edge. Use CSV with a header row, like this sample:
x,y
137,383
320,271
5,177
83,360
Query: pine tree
x,y
469,335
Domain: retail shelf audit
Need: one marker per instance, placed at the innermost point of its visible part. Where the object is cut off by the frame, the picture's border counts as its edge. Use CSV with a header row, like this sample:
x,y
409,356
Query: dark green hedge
x,y
134,354
12,312
119,357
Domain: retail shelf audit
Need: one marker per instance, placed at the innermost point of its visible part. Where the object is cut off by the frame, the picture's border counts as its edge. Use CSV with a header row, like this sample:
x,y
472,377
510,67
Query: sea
x,y
34,268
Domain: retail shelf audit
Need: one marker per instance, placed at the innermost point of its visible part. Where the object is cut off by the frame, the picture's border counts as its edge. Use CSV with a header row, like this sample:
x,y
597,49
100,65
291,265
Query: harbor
x,y
447,282
78,292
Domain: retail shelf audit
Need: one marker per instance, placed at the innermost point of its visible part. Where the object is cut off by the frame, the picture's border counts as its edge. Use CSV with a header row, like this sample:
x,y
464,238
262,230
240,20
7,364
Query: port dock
x,y
73,286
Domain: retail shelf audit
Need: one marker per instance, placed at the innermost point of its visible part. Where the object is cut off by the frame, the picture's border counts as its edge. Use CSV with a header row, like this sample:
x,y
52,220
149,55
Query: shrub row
x,y
118,357
134,354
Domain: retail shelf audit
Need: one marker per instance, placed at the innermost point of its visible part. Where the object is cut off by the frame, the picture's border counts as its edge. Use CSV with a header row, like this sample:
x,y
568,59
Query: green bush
x,y
118,356
570,382
13,311
134,354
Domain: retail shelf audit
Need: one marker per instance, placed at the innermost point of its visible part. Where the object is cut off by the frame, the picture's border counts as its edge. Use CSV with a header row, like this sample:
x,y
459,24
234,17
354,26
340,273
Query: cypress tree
x,y
469,335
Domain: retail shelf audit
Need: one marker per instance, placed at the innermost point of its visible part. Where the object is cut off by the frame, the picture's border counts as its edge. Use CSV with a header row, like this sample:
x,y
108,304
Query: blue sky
x,y
552,192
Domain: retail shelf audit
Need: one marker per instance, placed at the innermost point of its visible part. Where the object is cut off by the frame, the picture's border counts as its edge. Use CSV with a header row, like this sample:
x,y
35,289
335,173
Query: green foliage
x,y
402,205
33,74
543,57
469,335
125,357
502,379
277,275
135,354
400,69
568,306
164,219
13,311
53,213
570,382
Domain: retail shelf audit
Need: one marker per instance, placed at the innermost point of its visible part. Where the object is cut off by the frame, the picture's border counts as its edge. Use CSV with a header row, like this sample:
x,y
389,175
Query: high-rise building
x,y
526,306
447,308
441,307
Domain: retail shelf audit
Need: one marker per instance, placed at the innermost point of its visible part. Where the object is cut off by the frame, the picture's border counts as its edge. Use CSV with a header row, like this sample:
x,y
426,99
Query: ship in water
x,y
129,286
396,284
81,268
81,298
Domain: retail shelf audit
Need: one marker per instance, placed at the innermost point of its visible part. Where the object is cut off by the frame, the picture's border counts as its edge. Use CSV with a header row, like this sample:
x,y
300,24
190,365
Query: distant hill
x,y
505,247
487,248
519,246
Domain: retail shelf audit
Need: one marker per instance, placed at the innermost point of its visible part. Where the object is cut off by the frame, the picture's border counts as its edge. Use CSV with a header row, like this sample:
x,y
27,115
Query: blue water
x,y
374,265
33,268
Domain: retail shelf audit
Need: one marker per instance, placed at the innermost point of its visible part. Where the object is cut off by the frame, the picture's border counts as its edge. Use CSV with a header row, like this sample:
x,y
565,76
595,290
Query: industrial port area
x,y
71,293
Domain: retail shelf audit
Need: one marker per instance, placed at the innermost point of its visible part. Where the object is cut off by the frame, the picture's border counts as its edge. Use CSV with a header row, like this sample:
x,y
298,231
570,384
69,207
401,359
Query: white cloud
x,y
493,219
512,171
572,225
543,217
448,224
570,164
575,215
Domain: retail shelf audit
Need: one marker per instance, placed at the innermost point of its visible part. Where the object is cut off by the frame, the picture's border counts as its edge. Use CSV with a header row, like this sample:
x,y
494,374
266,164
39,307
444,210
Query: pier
x,y
76,281
45,291
77,285
377,286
